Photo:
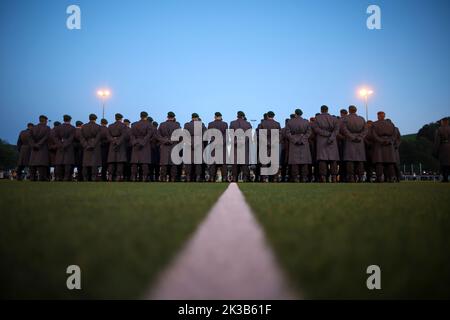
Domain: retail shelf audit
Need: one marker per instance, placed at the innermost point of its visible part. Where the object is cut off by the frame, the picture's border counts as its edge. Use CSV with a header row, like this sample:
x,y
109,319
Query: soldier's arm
x,y
19,143
44,139
83,140
319,131
69,140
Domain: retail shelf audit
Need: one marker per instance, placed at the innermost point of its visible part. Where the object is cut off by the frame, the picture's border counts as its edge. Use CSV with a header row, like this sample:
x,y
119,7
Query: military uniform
x,y
326,128
117,155
104,146
91,135
298,132
383,154
142,132
240,123
222,126
24,148
39,160
442,150
193,170
353,128
165,131
269,124
65,155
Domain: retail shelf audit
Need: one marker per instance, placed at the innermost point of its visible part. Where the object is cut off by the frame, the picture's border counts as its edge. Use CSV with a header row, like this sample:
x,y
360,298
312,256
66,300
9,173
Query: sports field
x,y
327,235
120,235
324,236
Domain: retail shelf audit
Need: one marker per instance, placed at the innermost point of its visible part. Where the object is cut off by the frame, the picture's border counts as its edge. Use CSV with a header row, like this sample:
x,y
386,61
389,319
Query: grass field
x,y
120,235
326,235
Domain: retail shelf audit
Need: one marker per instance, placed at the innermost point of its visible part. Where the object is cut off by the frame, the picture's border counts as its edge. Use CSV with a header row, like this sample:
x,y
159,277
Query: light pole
x,y
365,93
103,95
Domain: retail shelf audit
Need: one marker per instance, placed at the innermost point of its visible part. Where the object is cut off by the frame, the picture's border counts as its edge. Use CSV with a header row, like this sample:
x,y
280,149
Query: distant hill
x,y
8,155
417,149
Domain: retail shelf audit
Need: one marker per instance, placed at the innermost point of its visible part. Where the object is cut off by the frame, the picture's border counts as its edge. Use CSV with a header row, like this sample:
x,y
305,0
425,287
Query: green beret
x,y
298,112
104,121
270,114
195,115
92,117
66,118
56,123
79,123
170,114
218,114
241,114
144,114
118,116
127,121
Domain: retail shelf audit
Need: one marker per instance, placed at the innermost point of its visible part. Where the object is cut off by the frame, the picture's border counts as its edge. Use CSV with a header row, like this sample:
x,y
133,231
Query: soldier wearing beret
x,y
24,149
298,131
268,125
142,132
52,148
92,150
193,170
154,165
326,129
383,154
165,131
222,126
104,146
39,160
65,157
78,150
238,168
442,147
354,131
117,156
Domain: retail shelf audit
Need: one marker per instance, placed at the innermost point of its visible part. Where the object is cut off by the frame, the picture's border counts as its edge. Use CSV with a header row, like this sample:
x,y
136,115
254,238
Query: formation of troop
x,y
324,148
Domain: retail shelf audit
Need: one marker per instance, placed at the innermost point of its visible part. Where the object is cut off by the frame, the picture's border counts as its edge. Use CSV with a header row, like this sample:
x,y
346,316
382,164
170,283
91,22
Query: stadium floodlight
x,y
365,93
103,95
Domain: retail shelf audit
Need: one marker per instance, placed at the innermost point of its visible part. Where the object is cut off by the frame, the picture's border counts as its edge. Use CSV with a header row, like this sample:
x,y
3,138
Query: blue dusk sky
x,y
223,55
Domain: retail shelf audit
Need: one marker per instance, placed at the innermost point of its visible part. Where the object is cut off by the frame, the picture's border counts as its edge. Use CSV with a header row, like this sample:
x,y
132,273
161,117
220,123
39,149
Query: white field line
x,y
226,258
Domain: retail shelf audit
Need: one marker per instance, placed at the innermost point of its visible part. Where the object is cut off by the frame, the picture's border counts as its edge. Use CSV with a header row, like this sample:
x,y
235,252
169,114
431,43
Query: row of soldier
x,y
323,148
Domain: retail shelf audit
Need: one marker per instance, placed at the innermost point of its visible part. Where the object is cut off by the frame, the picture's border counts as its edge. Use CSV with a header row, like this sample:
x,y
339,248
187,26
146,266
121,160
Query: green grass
x,y
120,235
326,235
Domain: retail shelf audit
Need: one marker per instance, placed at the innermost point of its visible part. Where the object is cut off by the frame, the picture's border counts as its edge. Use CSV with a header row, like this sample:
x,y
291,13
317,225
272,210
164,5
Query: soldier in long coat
x,y
78,150
193,171
142,132
298,132
269,124
368,142
313,168
354,130
284,151
165,131
383,154
91,135
398,140
442,148
65,155
326,128
154,165
117,155
53,147
222,126
342,170
257,166
104,146
240,123
39,160
127,165
24,149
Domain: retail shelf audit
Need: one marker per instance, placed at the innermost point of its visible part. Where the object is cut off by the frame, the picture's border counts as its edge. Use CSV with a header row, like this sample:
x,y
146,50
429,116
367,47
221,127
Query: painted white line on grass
x,y
227,258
